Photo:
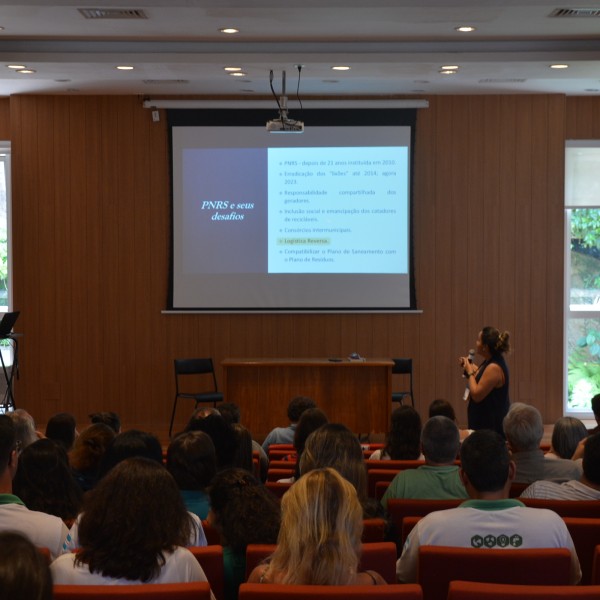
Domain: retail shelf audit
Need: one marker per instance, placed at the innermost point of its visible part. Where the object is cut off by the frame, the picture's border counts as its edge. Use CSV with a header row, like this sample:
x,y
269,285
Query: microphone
x,y
471,355
470,359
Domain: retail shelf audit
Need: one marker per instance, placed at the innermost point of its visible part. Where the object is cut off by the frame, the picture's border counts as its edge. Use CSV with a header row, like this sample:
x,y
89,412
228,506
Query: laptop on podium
x,y
7,323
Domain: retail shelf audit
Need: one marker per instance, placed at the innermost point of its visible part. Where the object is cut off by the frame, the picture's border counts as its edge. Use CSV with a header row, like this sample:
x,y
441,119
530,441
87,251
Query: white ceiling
x,y
394,47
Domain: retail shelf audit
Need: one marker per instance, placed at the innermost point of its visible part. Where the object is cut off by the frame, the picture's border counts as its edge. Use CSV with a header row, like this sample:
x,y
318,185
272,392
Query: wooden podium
x,y
355,393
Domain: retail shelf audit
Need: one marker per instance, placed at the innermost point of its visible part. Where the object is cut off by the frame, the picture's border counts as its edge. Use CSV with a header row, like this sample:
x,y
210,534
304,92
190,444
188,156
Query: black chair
x,y
403,366
194,366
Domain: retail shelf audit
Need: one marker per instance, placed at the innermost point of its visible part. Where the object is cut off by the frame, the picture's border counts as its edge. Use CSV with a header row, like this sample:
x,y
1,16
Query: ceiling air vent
x,y
164,81
575,12
112,13
502,80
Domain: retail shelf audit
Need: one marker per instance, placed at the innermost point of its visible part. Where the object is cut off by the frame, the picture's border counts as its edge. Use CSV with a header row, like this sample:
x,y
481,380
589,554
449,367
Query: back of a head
x,y
61,428
230,412
221,433
596,406
591,459
321,528
90,446
24,427
8,440
24,571
130,444
440,440
485,460
523,427
497,342
192,460
136,505
245,512
334,445
109,418
297,406
404,437
566,435
310,421
442,408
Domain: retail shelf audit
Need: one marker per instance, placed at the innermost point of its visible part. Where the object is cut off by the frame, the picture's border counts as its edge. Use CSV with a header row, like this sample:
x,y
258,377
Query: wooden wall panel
x,y
91,255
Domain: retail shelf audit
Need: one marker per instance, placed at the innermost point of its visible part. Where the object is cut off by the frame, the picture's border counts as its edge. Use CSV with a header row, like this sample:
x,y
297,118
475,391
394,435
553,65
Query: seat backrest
x,y
277,474
278,489
374,476
402,366
439,565
408,524
193,366
585,534
394,465
516,489
151,591
377,556
210,559
398,508
471,590
567,508
271,591
212,535
380,489
595,578
373,530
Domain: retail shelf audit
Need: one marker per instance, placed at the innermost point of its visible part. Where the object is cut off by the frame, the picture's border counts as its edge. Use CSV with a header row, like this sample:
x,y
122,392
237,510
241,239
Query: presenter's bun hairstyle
x,y
497,342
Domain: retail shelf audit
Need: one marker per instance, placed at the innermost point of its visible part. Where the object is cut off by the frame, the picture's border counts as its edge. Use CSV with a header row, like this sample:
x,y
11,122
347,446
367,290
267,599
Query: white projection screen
x,y
296,222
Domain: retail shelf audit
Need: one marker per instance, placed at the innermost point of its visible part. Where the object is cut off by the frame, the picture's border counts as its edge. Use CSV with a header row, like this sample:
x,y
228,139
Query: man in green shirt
x,y
438,479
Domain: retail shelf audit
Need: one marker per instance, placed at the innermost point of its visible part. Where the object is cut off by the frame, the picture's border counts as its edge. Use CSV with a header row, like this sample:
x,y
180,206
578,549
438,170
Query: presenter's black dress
x,y
489,413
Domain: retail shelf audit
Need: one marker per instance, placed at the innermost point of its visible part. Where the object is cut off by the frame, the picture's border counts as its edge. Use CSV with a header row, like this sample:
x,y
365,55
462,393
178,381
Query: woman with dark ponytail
x,y
488,382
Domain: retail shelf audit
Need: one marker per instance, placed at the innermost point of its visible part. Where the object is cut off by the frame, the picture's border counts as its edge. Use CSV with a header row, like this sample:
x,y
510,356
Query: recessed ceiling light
x,y
341,68
449,67
124,68
26,71
465,28
230,69
238,74
229,30
16,67
449,72
1,28
559,66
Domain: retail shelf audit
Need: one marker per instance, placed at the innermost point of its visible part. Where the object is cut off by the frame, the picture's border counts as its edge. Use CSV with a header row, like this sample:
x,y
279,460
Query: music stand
x,y
6,325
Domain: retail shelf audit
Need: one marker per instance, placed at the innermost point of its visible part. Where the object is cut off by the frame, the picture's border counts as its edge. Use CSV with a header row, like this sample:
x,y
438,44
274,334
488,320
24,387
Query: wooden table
x,y
356,393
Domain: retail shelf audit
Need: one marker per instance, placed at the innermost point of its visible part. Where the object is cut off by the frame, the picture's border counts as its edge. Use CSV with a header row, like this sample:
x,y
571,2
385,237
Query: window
x,y
582,276
5,262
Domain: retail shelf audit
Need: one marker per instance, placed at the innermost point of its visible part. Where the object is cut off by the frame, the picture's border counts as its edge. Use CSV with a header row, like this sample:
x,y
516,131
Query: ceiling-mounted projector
x,y
283,124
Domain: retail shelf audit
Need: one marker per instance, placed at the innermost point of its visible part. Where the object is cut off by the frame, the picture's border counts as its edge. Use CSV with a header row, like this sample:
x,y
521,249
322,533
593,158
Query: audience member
x,y
107,418
596,410
24,571
404,438
129,444
192,461
62,428
285,435
231,413
87,454
334,445
320,537
44,481
41,529
586,488
443,408
566,435
524,430
24,427
310,421
220,431
243,448
487,473
244,512
133,529
439,477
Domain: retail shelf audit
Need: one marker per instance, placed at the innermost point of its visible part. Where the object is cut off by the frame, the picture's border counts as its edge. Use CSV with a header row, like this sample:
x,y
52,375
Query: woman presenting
x,y
488,382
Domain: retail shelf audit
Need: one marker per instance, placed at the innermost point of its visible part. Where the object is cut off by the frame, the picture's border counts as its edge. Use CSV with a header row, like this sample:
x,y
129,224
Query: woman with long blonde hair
x,y
319,541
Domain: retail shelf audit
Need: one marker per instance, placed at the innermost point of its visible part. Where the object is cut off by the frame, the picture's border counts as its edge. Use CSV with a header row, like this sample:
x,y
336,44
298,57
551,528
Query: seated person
x,y
24,427
40,528
220,431
109,418
596,411
438,478
524,429
566,435
285,435
487,473
134,529
403,439
319,541
192,461
62,429
585,488
244,512
443,408
88,452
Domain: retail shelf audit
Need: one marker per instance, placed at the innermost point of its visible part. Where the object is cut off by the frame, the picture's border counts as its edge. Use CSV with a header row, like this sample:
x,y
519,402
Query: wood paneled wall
x,y
91,253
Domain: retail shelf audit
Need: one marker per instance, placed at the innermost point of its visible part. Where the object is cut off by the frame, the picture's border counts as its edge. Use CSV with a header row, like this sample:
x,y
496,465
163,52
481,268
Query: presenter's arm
x,y
493,377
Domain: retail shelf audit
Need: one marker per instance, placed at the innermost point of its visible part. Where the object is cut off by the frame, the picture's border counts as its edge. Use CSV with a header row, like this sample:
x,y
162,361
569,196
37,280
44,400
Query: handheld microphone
x,y
470,359
471,355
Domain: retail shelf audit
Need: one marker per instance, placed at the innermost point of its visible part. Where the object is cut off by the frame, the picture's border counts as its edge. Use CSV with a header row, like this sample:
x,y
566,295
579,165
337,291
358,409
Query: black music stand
x,y
6,325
